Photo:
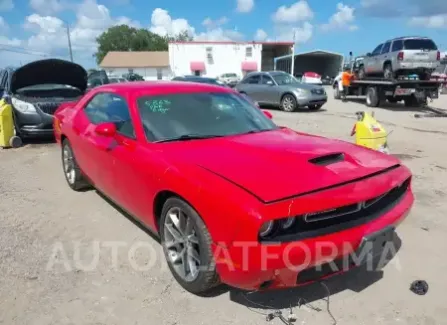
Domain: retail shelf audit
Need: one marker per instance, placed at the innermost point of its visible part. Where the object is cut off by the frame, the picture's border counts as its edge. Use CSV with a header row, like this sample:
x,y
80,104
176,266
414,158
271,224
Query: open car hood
x,y
49,71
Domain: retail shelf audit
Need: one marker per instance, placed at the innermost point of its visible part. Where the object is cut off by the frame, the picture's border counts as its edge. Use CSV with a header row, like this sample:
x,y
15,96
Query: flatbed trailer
x,y
378,91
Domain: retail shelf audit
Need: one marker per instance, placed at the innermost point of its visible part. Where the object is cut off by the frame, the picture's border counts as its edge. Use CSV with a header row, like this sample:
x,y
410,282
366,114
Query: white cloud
x,y
344,18
299,11
162,24
245,6
301,34
260,35
209,23
436,21
219,34
6,5
46,7
3,26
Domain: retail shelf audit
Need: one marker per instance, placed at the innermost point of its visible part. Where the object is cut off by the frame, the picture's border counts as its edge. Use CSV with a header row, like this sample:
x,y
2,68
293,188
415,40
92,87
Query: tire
x,y
424,76
410,101
288,103
72,172
315,107
337,94
372,97
15,142
388,72
361,72
206,277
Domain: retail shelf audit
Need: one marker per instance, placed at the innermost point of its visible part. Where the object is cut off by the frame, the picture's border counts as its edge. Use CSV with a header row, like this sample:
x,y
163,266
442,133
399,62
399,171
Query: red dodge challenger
x,y
233,197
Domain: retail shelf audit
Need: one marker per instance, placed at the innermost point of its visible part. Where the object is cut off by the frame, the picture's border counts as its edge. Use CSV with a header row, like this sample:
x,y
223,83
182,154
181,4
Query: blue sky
x,y
33,29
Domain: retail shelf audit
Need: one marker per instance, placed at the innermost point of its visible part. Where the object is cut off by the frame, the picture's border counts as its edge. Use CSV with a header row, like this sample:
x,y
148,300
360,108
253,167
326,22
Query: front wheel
x,y
72,172
288,103
186,245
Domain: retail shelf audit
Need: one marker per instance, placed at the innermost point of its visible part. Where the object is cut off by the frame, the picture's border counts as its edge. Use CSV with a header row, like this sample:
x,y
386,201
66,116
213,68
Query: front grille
x,y
340,218
48,108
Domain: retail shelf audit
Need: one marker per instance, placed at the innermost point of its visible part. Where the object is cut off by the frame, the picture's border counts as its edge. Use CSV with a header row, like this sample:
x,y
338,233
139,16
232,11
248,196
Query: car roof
x,y
162,87
408,37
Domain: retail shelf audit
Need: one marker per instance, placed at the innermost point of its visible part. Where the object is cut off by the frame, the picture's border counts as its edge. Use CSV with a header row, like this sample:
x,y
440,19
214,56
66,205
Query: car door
x,y
91,150
252,87
269,91
371,60
384,56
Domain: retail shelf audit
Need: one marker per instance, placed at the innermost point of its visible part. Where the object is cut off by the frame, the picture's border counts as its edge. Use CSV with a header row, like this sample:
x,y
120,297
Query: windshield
x,y
284,79
203,114
231,75
419,44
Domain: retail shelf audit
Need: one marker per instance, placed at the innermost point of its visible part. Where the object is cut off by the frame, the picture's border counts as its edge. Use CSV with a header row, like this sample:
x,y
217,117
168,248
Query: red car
x,y
234,198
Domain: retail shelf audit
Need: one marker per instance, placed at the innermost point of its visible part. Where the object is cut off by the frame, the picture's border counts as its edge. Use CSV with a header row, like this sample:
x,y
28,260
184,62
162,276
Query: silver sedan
x,y
282,89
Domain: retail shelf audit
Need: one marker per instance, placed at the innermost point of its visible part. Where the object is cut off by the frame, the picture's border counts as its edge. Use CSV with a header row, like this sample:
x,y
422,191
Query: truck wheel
x,y
411,101
72,172
388,71
337,94
372,97
288,103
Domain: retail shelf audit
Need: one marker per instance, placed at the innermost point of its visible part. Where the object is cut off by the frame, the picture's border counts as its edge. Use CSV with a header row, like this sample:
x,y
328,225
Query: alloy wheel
x,y
288,104
182,244
69,166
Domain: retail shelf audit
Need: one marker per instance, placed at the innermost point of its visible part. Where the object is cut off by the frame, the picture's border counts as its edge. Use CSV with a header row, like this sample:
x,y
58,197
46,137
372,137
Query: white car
x,y
312,78
230,79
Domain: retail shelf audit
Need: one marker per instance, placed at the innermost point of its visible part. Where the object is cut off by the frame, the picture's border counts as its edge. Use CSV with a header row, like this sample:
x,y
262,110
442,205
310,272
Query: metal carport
x,y
324,63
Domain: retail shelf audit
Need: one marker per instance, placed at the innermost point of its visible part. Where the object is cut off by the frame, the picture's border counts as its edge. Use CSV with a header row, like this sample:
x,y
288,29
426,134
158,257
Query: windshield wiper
x,y
186,137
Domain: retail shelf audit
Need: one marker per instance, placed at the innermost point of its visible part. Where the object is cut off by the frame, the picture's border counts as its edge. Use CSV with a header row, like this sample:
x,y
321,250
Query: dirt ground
x,y
43,225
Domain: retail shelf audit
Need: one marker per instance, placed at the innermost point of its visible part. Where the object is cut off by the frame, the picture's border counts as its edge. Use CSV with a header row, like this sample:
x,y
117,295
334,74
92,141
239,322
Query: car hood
x,y
279,164
50,71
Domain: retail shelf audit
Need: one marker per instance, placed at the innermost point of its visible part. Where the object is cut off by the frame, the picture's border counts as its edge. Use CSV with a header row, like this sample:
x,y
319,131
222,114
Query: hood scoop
x,y
328,159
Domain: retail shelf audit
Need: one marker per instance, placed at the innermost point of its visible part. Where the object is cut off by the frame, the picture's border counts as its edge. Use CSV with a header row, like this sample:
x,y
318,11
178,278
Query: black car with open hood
x,y
49,71
36,90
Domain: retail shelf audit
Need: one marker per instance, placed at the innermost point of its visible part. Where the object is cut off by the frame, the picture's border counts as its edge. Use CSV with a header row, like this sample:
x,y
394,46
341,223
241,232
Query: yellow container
x,y
6,124
370,133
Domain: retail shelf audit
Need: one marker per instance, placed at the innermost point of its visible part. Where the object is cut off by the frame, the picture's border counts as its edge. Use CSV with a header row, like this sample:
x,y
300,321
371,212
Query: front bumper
x,y
255,266
34,124
311,100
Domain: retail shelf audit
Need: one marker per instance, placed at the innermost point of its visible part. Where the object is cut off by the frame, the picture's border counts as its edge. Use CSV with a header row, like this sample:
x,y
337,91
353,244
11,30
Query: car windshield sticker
x,y
158,105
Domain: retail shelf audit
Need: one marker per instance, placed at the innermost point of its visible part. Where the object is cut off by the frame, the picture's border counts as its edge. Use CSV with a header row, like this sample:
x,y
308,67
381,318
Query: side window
x,y
397,46
253,80
377,50
386,48
3,77
108,107
266,80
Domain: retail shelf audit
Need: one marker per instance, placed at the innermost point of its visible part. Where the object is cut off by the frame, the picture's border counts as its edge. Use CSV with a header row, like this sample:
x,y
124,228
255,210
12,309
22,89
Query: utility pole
x,y
69,42
293,55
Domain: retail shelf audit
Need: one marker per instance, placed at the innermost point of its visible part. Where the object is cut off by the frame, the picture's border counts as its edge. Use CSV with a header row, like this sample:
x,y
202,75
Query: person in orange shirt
x,y
346,79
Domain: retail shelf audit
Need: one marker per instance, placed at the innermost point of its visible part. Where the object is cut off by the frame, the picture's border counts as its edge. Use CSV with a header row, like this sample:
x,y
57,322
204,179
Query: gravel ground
x,y
120,277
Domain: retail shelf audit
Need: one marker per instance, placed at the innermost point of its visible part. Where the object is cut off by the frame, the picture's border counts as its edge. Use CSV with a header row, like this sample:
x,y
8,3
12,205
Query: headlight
x,y
22,106
287,223
267,229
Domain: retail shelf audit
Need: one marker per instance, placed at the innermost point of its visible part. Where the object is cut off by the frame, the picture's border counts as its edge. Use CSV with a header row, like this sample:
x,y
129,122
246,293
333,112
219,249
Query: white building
x,y
212,59
149,65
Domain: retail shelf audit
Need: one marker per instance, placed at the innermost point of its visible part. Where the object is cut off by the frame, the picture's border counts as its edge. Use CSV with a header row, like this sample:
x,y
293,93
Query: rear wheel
x,y
372,97
288,103
388,71
72,173
411,101
186,244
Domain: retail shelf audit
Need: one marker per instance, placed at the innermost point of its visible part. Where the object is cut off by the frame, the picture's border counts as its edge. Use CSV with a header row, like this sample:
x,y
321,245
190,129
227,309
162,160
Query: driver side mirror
x,y
268,114
106,129
368,54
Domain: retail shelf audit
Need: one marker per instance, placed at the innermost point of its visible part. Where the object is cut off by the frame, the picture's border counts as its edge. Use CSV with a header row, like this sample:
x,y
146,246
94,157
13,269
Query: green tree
x,y
126,38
